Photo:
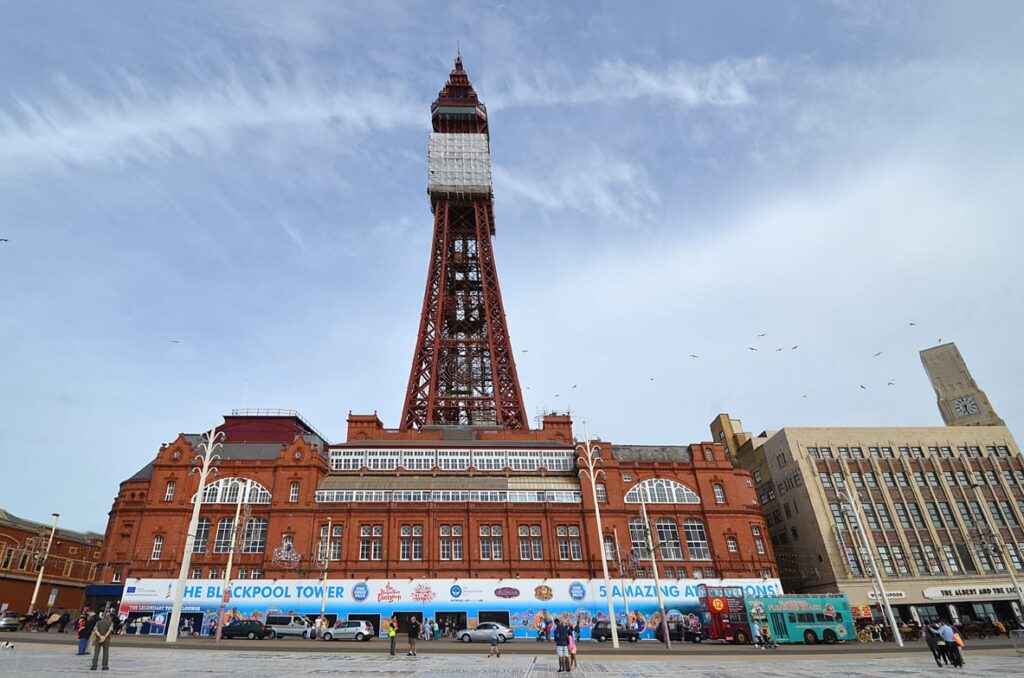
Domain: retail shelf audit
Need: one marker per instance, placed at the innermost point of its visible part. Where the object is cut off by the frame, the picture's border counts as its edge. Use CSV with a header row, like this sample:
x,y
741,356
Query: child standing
x,y
495,649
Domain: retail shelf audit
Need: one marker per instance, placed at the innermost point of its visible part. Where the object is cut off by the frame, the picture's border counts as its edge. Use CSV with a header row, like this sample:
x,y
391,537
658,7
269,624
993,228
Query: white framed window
x,y
371,542
661,491
293,492
117,577
732,544
719,493
490,542
451,542
638,538
410,546
169,491
158,546
197,573
331,545
569,547
668,539
254,540
609,547
531,546
214,573
202,536
225,491
602,493
696,539
225,530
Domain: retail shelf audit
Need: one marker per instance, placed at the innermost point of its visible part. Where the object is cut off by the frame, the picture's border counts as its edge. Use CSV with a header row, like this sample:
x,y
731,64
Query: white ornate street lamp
x,y
39,558
238,527
589,458
202,463
652,542
852,506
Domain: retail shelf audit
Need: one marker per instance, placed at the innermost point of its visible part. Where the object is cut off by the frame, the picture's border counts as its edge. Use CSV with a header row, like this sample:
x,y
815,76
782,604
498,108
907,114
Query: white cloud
x,y
135,121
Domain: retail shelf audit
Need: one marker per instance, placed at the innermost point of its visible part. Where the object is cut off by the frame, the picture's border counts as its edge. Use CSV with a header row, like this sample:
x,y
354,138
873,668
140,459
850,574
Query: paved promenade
x,y
28,659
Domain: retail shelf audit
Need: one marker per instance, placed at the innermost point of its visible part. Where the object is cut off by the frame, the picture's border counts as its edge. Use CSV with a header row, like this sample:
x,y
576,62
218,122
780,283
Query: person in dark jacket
x,y
931,637
85,626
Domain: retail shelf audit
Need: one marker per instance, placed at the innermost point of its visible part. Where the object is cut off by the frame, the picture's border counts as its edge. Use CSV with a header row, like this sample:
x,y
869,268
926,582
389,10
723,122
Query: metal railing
x,y
260,412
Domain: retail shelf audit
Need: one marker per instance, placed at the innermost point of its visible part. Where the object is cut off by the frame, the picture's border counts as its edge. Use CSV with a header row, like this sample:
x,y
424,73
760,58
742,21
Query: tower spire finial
x,y
458,55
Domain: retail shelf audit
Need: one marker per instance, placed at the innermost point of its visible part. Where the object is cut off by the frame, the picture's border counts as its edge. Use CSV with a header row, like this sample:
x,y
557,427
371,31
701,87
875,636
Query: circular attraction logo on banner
x,y
577,591
360,592
455,590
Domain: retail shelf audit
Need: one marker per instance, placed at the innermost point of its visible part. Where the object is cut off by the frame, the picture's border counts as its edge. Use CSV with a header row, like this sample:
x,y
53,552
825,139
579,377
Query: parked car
x,y
482,633
289,625
602,631
10,621
679,630
247,628
350,630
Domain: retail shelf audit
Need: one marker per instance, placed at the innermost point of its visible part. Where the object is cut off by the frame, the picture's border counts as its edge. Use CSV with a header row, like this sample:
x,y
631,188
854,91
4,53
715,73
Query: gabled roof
x,y
33,526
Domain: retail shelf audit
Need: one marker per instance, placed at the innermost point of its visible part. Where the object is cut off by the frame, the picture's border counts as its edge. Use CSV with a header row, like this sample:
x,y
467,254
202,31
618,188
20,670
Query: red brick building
x,y
433,502
72,565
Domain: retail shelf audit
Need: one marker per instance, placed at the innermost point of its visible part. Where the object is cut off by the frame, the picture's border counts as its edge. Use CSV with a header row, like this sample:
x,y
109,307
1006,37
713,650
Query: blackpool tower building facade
x,y
462,506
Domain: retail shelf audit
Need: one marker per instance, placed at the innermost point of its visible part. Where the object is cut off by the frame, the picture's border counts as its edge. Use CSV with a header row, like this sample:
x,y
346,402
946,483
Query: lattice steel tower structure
x,y
463,370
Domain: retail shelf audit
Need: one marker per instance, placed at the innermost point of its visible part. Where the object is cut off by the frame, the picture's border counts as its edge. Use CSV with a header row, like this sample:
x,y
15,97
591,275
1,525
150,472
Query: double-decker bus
x,y
729,616
725,613
804,619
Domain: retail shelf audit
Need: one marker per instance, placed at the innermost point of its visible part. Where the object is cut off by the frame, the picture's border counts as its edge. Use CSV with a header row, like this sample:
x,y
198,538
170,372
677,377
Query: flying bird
x,y
652,378
557,396
778,349
877,354
751,348
3,240
864,387
795,347
175,341
574,385
763,335
912,324
694,355
891,383
805,396
526,350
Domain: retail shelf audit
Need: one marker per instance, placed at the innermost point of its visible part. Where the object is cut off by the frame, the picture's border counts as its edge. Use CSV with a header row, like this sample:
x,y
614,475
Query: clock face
x,y
965,405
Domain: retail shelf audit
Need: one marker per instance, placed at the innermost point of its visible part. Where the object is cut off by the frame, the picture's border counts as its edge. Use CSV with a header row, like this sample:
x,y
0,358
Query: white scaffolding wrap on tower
x,y
459,163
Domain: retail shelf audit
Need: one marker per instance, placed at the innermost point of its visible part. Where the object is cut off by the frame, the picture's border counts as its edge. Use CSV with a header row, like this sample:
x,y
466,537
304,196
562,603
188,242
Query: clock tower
x,y
960,400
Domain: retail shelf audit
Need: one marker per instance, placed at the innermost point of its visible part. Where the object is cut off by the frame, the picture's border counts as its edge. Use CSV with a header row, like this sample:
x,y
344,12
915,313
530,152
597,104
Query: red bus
x,y
725,613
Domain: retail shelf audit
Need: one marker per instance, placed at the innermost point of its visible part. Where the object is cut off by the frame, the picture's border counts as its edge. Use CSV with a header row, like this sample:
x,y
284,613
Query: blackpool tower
x,y
463,370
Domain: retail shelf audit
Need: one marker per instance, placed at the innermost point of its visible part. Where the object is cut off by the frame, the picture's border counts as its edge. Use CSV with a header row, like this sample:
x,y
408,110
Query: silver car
x,y
349,630
483,631
9,620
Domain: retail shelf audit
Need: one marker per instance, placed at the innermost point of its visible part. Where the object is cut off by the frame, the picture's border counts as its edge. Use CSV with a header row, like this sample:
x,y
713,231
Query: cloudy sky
x,y
249,179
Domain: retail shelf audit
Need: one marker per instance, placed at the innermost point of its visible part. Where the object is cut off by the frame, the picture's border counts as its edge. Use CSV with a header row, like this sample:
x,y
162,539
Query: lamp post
x,y
40,561
242,489
853,510
621,564
995,545
324,556
650,539
589,457
201,463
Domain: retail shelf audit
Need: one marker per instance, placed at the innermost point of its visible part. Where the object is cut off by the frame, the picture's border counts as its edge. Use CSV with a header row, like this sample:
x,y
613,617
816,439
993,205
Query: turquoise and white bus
x,y
804,619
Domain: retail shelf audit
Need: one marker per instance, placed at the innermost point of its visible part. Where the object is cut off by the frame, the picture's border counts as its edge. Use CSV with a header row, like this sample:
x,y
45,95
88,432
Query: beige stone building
x,y
930,499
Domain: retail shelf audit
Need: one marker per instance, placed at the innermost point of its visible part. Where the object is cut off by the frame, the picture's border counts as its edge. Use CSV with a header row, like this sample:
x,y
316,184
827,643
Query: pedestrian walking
x,y
414,635
755,631
572,646
392,636
85,626
950,647
495,649
63,621
101,633
561,637
933,640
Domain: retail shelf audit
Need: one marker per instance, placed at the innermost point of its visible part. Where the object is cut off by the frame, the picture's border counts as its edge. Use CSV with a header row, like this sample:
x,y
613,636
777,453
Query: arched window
x,y
661,491
696,539
602,494
225,491
734,546
169,491
719,493
293,492
668,538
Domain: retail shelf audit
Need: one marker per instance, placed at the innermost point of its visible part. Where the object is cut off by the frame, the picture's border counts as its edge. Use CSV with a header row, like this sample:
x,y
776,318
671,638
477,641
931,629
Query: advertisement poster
x,y
523,604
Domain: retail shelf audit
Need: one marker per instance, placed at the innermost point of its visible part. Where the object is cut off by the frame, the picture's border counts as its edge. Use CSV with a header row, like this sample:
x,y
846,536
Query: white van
x,y
289,625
